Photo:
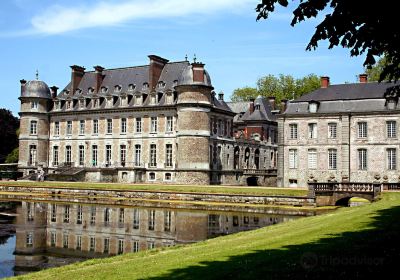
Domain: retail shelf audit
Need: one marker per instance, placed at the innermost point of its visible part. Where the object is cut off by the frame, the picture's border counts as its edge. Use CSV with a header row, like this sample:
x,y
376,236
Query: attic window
x,y
117,88
90,90
257,107
145,86
104,89
82,103
131,87
175,83
161,84
313,107
391,104
78,91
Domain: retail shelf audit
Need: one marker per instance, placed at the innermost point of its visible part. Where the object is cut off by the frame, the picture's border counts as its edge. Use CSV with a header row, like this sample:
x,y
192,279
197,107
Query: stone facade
x,y
143,124
349,137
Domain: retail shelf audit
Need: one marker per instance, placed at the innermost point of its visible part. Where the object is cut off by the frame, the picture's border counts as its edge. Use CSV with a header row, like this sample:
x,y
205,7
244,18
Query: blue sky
x,y
51,35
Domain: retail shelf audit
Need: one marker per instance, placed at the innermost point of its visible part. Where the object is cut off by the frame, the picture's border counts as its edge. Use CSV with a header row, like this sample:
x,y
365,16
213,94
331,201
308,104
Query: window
x,y
120,246
150,245
121,217
138,125
362,159
55,156
391,159
312,107
106,248
30,211
78,242
81,155
153,128
123,101
152,176
82,103
167,176
136,218
32,154
362,130
312,159
109,126
69,127
56,128
391,129
292,158
92,215
312,130
168,155
29,239
169,126
53,213
108,155
66,213
153,155
68,154
135,247
167,220
94,155
53,239
82,127
122,154
92,244
138,151
332,159
332,130
95,126
123,125
152,219
33,129
65,240
34,105
293,130
95,103
79,215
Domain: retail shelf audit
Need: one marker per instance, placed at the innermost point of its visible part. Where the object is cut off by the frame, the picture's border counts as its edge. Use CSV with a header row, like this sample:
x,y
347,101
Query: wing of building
x,y
160,122
346,132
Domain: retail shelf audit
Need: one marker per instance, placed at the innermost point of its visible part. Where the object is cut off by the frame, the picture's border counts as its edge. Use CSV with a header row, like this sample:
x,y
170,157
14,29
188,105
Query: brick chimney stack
x,y
221,96
271,100
76,77
284,105
23,83
156,66
251,107
54,90
363,78
98,72
324,82
198,72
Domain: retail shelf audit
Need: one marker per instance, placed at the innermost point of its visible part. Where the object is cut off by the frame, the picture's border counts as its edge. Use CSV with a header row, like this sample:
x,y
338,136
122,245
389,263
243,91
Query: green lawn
x,y
345,244
171,188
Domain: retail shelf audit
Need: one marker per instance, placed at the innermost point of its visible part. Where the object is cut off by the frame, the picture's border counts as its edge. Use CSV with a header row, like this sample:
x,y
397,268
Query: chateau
x,y
160,122
342,133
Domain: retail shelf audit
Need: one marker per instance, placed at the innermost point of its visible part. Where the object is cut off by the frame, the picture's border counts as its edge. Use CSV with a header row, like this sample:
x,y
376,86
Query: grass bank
x,y
167,188
348,243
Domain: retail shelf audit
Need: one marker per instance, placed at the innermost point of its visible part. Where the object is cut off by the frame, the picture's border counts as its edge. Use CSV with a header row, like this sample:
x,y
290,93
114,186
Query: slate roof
x,y
242,110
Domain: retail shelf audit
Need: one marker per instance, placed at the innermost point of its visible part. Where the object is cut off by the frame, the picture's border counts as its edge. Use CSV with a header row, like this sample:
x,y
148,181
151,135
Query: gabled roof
x,y
263,114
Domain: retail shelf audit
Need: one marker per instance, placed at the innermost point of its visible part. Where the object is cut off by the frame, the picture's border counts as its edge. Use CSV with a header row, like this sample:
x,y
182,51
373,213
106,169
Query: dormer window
x,y
161,84
153,99
109,102
104,89
169,98
391,104
57,105
117,88
78,91
145,86
313,106
175,83
68,104
257,106
131,87
90,90
34,105
82,103
123,101
138,99
95,103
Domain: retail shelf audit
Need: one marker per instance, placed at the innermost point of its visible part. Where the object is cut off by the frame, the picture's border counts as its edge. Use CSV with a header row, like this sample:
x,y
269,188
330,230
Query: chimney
x,y
324,82
251,107
76,77
284,105
271,100
363,78
221,96
98,72
23,83
156,66
198,72
54,91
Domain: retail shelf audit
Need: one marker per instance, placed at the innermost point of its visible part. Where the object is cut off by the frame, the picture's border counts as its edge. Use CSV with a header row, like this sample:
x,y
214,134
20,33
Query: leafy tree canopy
x,y
375,71
281,87
8,131
13,156
361,26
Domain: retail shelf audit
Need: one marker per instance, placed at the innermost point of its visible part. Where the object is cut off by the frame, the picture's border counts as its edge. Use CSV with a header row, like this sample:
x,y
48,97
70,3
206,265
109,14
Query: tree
x,y
281,87
358,25
13,156
375,71
8,131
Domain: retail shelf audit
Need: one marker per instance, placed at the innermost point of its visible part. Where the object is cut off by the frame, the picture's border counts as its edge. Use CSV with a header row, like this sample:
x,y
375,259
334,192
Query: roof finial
x,y
194,58
37,74
186,57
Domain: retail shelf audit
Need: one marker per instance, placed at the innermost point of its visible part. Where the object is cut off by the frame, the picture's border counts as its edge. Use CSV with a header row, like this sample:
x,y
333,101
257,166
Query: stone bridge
x,y
335,193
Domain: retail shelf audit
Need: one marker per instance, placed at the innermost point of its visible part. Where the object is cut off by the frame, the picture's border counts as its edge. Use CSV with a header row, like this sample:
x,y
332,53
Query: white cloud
x,y
59,19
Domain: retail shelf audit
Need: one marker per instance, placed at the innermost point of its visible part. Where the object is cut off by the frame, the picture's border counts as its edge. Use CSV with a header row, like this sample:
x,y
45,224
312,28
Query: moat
x,y
37,234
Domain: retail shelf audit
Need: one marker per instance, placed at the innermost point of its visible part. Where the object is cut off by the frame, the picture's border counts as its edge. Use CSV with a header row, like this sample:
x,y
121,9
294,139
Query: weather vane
x,y
186,57
37,74
194,58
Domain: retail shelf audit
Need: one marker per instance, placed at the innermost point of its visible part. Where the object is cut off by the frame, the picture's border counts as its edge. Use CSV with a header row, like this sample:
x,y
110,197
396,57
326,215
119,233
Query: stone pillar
x,y
281,157
345,156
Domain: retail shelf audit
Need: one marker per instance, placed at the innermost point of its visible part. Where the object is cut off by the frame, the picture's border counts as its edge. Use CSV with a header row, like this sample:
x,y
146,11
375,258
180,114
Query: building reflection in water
x,y
50,235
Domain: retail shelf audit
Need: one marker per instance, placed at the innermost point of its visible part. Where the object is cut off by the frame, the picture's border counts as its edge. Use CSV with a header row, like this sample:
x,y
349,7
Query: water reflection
x,y
54,234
